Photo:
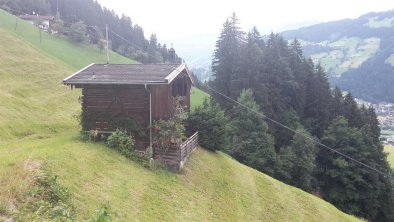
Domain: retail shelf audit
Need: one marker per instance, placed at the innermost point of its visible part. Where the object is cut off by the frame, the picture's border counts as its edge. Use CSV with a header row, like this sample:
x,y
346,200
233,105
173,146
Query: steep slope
x,y
36,124
357,53
212,187
33,102
70,54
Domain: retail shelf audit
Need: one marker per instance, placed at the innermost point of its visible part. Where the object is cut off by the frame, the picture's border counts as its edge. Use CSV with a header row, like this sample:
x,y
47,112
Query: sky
x,y
193,26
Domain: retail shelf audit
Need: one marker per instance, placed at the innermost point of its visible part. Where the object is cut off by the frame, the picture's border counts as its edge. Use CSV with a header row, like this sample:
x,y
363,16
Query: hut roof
x,y
127,74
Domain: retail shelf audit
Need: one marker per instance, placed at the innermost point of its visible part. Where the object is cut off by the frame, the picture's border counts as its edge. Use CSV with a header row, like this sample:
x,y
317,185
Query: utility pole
x,y
16,23
106,34
39,24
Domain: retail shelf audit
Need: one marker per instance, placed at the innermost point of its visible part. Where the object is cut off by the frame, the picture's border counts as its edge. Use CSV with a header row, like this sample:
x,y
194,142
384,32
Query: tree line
x,y
85,21
273,79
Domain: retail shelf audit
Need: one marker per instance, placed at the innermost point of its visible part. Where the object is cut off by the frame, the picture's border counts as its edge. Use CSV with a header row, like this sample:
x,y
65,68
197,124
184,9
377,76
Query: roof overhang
x,y
172,76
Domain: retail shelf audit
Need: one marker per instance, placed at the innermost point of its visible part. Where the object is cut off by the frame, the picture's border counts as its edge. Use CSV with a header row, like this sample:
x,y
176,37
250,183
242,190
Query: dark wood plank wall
x,y
187,99
161,96
123,101
133,101
126,101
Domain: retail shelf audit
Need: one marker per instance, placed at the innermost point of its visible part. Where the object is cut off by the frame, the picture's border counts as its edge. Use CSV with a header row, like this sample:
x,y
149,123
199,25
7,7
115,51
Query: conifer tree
x,y
336,108
318,99
298,161
225,57
211,123
248,66
348,185
351,111
251,143
301,71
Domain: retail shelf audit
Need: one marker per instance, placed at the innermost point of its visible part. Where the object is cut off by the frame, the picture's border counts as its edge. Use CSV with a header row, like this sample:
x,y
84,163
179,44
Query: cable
x,y
302,134
264,116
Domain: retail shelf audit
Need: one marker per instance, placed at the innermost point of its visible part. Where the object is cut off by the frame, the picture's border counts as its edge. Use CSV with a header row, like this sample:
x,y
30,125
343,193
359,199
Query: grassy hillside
x,y
198,97
390,151
36,125
72,55
33,101
212,187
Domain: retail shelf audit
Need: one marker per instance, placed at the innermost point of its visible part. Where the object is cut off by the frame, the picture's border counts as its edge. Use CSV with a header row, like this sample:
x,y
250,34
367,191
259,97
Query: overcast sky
x,y
183,22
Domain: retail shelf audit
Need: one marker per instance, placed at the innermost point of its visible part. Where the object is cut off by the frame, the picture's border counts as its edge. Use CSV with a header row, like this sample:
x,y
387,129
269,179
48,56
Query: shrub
x,y
171,132
145,159
119,140
125,144
78,32
47,200
211,123
100,215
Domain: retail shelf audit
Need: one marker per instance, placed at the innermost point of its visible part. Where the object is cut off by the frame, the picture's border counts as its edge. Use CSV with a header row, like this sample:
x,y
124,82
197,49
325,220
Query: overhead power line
x,y
302,134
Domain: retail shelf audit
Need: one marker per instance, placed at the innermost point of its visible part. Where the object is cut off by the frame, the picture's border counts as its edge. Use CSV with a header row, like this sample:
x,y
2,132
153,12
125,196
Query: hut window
x,y
179,88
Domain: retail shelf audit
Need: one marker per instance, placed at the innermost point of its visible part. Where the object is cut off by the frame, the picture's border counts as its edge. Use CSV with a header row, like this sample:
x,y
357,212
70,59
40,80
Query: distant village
x,y
385,112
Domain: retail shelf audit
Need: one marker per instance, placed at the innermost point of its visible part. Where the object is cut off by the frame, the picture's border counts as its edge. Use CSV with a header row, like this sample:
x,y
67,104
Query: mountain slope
x,y
73,55
36,125
358,54
212,187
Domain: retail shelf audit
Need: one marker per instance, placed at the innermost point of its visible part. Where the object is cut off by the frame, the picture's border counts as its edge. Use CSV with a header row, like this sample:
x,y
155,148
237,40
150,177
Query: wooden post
x,y
16,23
39,28
106,34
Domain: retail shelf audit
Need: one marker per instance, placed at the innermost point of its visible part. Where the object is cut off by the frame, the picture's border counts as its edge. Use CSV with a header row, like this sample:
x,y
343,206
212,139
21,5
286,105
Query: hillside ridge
x,y
357,54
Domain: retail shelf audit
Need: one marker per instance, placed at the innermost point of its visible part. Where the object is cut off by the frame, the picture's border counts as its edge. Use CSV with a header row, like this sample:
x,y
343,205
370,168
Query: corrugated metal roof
x,y
126,74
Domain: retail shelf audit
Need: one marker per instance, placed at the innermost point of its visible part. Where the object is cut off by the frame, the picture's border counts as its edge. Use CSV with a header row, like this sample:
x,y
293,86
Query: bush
x,y
47,200
77,32
170,133
119,140
100,215
125,144
211,123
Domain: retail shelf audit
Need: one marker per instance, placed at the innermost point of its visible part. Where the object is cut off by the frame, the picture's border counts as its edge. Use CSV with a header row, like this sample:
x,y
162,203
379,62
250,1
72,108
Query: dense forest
x,y
273,79
90,19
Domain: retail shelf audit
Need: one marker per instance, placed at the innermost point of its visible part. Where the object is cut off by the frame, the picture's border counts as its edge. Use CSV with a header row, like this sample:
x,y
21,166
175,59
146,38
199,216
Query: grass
x,y
198,97
212,187
75,56
390,150
36,126
346,53
33,101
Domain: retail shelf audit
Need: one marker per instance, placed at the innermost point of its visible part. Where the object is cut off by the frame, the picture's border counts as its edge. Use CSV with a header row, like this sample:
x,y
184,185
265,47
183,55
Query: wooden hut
x,y
141,92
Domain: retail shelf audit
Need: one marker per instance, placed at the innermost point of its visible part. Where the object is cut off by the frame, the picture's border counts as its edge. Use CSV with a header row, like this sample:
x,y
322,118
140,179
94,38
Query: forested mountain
x,y
125,37
274,79
358,54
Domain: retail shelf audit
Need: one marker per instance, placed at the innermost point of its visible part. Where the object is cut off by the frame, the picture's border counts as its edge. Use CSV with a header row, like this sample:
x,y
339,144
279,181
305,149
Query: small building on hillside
x,y
114,94
43,22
